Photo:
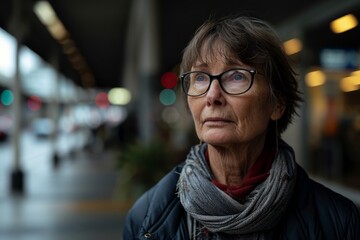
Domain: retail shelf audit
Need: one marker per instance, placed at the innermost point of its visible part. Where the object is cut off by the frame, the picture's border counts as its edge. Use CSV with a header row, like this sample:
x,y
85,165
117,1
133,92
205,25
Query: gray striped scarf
x,y
219,213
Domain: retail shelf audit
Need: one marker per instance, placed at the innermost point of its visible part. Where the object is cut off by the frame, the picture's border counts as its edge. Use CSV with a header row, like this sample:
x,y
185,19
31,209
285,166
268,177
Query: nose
x,y
215,95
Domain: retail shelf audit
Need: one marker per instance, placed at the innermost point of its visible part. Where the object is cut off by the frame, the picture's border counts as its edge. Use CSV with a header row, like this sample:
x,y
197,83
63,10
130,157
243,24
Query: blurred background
x,y
91,113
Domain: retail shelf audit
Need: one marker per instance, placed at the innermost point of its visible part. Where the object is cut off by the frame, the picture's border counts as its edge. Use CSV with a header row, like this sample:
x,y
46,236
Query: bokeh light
x,y
167,97
170,115
34,103
7,97
119,96
102,100
169,80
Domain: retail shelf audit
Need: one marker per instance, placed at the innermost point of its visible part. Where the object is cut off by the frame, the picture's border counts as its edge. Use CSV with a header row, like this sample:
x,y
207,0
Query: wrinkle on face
x,y
238,123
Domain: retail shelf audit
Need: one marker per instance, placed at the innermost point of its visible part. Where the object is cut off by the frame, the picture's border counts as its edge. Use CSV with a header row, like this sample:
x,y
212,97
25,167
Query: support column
x,y
54,110
142,64
149,61
19,29
17,175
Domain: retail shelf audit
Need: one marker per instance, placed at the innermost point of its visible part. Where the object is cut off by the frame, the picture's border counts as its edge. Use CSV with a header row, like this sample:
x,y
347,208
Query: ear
x,y
277,112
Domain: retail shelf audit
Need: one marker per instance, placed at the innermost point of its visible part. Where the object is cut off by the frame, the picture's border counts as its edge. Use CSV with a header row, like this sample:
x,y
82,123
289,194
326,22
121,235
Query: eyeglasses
x,y
234,81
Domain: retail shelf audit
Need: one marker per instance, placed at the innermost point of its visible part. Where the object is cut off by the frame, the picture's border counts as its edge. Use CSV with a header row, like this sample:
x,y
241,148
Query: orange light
x,y
344,23
315,78
292,46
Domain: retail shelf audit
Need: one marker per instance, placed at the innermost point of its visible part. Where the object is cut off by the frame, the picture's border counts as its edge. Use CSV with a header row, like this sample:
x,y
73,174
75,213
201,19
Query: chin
x,y
218,136
217,140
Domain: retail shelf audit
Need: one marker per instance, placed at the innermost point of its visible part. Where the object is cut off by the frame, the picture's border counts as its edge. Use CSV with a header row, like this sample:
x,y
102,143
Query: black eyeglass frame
x,y
218,77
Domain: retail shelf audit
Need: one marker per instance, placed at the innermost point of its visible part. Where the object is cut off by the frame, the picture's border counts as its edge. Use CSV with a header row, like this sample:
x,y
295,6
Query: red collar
x,y
256,174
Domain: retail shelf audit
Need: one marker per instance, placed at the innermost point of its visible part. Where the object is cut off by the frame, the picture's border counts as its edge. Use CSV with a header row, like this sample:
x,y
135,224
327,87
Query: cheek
x,y
262,104
254,114
195,110
260,114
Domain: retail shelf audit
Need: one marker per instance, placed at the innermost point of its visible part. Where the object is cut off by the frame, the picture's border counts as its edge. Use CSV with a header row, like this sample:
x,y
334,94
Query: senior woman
x,y
242,180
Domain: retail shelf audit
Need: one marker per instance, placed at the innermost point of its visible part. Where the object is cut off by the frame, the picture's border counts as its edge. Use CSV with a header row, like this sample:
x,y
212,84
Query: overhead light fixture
x,y
315,78
45,13
292,46
350,84
48,17
68,46
344,23
58,31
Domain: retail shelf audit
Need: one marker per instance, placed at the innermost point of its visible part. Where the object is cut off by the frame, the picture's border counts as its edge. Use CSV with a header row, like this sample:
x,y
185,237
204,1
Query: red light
x,y
169,80
102,100
34,103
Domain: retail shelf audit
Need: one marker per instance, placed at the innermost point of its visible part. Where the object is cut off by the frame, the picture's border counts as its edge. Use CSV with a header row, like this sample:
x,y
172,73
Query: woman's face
x,y
222,119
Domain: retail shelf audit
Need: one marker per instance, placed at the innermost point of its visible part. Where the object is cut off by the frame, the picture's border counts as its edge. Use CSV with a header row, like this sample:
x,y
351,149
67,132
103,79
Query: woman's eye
x,y
200,77
237,76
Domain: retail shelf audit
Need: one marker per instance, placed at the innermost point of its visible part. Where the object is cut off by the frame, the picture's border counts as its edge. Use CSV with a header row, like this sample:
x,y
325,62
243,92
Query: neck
x,y
230,164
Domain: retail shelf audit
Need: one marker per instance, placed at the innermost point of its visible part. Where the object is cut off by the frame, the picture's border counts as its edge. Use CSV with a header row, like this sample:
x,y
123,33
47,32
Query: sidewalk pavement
x,y
75,201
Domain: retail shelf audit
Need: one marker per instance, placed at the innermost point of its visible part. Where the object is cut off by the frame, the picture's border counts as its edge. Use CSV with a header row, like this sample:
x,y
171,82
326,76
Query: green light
x,y
167,97
7,97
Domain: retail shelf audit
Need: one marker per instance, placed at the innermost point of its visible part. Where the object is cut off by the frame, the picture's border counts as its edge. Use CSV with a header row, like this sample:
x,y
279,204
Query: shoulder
x,y
319,213
322,196
153,206
157,197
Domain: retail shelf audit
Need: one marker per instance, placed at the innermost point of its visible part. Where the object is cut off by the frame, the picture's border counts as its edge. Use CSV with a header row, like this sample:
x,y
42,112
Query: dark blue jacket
x,y
315,212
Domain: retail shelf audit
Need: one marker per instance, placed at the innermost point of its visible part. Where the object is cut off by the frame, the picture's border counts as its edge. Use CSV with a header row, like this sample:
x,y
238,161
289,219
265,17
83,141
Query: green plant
x,y
142,165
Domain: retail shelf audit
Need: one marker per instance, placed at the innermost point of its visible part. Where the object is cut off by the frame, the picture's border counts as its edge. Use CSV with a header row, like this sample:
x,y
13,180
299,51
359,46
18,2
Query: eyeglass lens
x,y
235,81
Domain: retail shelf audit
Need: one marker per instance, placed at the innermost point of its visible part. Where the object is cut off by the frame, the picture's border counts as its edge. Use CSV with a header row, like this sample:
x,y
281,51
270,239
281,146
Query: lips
x,y
216,120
